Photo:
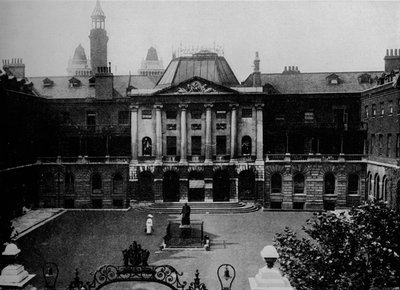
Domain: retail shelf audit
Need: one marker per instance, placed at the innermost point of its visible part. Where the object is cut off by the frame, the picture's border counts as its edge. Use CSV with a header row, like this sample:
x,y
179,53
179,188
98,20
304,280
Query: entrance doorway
x,y
171,186
246,185
146,186
221,185
196,186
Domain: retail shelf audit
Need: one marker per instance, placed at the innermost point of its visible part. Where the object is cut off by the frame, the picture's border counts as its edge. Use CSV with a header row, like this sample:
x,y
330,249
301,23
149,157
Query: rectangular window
x,y
398,145
366,111
195,114
388,144
339,117
65,117
91,118
221,114
171,114
372,143
382,108
171,145
247,113
373,110
380,143
146,114
123,118
309,117
390,107
221,145
196,145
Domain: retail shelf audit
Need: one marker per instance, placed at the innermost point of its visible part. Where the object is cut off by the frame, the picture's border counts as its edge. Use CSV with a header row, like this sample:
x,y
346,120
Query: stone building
x,y
289,140
380,110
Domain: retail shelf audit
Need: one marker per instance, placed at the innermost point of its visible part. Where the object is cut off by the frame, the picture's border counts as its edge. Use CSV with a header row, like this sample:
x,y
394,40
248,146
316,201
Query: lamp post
x,y
225,277
50,275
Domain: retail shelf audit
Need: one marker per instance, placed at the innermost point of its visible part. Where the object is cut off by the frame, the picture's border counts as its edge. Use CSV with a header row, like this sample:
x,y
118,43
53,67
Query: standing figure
x,y
185,214
149,224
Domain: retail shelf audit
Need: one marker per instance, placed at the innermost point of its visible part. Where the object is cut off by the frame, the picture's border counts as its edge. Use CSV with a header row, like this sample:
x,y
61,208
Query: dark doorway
x,y
196,186
221,186
145,186
246,185
171,186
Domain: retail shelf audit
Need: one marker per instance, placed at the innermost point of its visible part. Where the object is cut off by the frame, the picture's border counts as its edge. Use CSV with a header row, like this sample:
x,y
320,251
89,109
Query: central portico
x,y
195,135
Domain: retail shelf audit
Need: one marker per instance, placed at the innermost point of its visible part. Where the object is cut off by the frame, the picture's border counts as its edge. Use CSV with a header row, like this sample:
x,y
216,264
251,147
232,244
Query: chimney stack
x,y
392,61
290,70
14,67
104,84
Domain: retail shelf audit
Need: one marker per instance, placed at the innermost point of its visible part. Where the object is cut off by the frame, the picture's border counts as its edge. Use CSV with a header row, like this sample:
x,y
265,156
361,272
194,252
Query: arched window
x,y
118,184
377,191
376,186
246,145
298,183
48,183
329,183
369,185
69,183
276,183
96,183
146,146
385,188
352,184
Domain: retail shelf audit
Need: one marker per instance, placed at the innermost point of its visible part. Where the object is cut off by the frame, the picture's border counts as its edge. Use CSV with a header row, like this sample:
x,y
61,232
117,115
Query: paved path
x,y
89,239
34,219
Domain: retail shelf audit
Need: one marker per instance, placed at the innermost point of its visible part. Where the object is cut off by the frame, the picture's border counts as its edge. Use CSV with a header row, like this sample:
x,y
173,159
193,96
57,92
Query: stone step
x,y
204,209
194,205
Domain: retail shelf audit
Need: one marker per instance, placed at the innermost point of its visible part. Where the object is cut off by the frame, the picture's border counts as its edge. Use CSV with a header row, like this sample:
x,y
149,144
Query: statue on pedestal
x,y
185,215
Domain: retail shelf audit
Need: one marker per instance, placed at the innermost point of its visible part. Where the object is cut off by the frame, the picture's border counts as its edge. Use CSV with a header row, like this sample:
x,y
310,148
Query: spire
x,y
97,11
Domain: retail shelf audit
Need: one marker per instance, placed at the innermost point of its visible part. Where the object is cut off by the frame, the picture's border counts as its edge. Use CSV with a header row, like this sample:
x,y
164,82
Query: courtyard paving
x,y
89,239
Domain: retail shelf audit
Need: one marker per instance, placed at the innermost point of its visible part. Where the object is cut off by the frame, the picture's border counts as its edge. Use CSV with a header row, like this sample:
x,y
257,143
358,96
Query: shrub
x,y
357,250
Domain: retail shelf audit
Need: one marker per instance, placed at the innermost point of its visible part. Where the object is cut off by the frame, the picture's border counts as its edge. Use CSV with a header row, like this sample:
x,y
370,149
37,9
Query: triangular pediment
x,y
198,86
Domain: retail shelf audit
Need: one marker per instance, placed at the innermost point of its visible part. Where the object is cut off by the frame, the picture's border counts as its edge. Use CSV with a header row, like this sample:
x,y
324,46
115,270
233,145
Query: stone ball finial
x,y
11,250
270,255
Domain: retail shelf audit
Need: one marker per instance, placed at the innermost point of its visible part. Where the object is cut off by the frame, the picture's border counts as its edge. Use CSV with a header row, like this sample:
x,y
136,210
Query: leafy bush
x,y
355,250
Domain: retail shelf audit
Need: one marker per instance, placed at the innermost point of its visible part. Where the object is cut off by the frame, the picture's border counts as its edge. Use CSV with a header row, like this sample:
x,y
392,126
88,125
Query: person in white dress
x,y
149,224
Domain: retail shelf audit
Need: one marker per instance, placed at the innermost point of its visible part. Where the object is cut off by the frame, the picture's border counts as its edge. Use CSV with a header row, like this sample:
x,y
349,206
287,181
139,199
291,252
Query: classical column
x,y
183,108
259,129
233,131
208,147
158,108
134,133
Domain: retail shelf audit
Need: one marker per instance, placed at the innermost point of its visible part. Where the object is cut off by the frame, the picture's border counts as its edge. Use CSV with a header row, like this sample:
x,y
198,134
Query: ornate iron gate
x,y
136,269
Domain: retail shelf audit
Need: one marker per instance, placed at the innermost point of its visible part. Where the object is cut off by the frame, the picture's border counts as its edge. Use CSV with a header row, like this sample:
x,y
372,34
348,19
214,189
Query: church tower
x,y
98,39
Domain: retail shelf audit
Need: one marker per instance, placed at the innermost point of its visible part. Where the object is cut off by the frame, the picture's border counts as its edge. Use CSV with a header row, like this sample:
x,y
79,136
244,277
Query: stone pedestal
x,y
269,279
186,231
14,276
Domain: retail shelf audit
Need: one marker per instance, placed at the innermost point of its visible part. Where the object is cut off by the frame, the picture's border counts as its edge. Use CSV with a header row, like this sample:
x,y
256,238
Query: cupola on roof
x,y
205,64
97,11
79,53
152,54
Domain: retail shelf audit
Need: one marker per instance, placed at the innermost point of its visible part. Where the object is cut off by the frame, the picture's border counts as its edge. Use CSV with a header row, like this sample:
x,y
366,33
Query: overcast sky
x,y
313,35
